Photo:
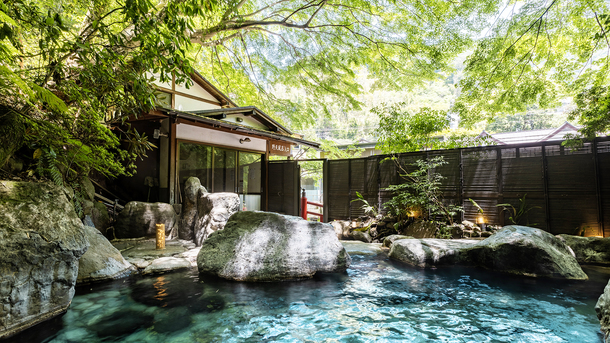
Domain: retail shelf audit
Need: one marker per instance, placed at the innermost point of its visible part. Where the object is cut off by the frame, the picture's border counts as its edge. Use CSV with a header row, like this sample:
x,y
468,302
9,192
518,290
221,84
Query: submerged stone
x,y
166,264
264,246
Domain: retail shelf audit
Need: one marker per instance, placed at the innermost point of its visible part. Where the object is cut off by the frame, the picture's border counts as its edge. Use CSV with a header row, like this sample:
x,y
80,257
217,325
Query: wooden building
x,y
200,132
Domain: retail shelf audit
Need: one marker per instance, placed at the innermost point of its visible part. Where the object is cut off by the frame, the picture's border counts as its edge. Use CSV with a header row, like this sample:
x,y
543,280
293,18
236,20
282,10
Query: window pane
x,y
224,170
195,160
250,180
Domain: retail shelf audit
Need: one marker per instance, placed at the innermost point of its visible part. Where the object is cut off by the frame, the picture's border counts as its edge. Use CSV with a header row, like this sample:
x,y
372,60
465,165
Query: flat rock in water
x,y
42,240
102,261
139,263
389,240
595,250
166,264
430,252
264,246
515,249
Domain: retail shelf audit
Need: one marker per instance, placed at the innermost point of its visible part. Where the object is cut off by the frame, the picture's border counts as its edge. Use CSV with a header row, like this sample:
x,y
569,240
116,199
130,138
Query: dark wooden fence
x,y
570,189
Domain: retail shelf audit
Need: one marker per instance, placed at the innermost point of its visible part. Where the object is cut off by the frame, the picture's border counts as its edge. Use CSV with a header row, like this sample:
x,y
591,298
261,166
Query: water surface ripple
x,y
377,300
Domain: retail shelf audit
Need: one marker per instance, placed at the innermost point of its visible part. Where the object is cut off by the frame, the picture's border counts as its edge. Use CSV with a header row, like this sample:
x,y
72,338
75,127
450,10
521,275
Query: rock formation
x,y
102,261
139,219
515,249
203,212
213,212
602,308
263,246
595,250
42,240
431,252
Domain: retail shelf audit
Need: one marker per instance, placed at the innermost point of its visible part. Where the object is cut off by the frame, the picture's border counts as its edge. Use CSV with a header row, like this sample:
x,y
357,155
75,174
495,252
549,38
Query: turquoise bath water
x,y
377,300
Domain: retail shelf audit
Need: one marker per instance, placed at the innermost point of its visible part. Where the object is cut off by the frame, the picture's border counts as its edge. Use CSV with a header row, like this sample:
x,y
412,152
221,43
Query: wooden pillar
x,y
598,192
173,161
545,178
500,184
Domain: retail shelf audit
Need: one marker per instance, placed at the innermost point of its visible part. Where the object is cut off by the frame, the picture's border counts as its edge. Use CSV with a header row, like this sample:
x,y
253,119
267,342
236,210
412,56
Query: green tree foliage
x,y
401,131
72,69
536,53
593,111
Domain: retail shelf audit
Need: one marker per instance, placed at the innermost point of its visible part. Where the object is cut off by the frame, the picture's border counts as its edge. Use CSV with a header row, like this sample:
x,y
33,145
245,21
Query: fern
x,y
47,165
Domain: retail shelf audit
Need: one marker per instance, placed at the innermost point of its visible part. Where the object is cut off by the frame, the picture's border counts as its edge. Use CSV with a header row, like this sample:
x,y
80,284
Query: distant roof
x,y
531,136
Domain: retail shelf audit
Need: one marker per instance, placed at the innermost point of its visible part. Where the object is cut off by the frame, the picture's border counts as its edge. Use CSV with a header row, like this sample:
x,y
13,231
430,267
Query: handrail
x,y
305,202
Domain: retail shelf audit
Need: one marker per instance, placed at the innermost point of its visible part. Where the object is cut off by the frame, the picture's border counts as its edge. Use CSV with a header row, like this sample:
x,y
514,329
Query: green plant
x,y
474,203
516,214
443,232
420,195
366,207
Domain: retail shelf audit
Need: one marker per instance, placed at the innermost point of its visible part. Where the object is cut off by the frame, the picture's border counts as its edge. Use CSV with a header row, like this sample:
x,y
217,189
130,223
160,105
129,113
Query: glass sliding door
x,y
222,170
194,160
250,185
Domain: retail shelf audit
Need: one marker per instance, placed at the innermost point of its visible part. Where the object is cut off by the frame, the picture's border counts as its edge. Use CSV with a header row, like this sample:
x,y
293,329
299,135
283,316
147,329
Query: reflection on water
x,y
375,300
161,292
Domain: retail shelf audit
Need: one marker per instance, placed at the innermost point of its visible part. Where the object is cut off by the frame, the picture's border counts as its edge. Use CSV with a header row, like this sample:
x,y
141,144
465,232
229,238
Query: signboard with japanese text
x,y
279,148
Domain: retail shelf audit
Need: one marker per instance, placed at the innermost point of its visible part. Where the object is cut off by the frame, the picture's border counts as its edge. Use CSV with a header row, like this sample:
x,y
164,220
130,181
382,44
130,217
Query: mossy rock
x,y
264,246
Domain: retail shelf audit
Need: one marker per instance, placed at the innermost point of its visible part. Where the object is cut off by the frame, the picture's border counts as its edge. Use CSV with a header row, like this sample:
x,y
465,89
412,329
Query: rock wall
x,y
42,240
139,219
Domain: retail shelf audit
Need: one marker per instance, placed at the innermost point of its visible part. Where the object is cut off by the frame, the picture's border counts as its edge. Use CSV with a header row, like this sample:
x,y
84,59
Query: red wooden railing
x,y
304,204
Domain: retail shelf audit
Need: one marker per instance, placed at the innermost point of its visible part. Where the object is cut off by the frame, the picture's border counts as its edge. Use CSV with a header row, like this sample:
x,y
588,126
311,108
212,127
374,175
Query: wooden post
x,y
160,236
304,205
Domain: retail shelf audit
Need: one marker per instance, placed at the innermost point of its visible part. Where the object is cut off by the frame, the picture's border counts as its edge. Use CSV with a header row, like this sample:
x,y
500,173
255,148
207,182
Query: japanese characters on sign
x,y
279,148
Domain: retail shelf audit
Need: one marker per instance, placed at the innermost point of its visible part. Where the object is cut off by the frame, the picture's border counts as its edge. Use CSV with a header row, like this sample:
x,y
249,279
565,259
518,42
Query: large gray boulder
x,y
527,251
188,217
42,240
430,252
102,261
139,219
595,250
602,308
263,246
203,212
515,249
213,212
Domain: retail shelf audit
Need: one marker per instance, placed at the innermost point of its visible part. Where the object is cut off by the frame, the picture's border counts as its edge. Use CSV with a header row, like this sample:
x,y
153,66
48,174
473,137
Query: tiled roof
x,y
532,136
